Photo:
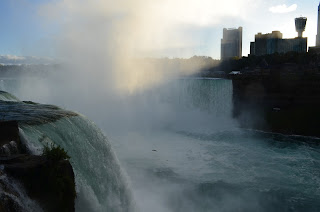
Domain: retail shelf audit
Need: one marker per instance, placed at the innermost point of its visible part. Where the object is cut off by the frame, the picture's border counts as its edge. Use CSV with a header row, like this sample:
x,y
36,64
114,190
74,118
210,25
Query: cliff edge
x,y
30,182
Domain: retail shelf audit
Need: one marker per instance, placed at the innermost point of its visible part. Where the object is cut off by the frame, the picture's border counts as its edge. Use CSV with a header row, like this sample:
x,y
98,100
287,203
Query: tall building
x,y
231,43
274,43
318,32
316,49
266,43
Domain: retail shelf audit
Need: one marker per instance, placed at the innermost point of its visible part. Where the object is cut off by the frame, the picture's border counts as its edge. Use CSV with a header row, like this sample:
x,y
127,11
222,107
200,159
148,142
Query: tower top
x,y
300,25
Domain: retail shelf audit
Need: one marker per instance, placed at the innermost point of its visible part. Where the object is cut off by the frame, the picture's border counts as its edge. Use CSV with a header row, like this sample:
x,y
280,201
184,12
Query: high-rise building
x,y
274,43
318,32
231,43
266,43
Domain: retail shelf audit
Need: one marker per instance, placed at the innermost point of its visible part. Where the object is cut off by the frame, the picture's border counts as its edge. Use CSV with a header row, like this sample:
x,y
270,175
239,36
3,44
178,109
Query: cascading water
x,y
181,151
4,96
100,183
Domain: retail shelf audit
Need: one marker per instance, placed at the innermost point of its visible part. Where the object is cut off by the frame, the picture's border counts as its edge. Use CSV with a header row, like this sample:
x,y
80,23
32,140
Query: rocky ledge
x,y
45,181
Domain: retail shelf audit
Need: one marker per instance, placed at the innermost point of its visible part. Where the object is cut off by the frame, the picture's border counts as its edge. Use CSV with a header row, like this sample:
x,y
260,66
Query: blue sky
x,y
20,27
184,28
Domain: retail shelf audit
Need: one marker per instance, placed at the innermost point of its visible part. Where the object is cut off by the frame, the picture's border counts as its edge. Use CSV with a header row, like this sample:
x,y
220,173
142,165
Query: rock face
x,y
48,182
9,138
287,103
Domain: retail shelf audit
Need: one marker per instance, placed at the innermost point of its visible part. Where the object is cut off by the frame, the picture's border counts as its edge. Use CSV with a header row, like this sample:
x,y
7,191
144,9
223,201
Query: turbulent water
x,y
181,151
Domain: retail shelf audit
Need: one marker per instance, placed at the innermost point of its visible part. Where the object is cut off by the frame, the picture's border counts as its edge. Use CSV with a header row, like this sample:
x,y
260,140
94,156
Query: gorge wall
x,y
284,103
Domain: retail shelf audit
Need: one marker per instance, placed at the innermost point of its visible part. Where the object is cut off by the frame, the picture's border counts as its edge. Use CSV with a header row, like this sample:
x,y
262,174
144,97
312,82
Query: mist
x,y
173,134
102,41
101,46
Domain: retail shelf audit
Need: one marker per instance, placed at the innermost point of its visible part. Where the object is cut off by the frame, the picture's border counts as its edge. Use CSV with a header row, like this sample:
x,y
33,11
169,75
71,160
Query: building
x,y
316,49
274,43
318,31
266,43
300,25
231,43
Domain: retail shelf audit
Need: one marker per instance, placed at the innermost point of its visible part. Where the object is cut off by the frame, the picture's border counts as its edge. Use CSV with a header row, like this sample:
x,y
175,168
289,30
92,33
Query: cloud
x,y
283,8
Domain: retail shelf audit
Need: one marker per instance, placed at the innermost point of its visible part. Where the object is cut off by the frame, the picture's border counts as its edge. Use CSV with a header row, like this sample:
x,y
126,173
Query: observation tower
x,y
300,25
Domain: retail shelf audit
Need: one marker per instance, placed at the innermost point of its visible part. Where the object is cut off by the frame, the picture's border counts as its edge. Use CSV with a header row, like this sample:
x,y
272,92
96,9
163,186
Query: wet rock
x,y
50,184
26,180
13,196
9,137
10,148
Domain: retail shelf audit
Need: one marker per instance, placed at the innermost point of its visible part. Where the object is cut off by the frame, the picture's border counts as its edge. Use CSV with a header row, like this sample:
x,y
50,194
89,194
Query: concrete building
x,y
274,43
231,43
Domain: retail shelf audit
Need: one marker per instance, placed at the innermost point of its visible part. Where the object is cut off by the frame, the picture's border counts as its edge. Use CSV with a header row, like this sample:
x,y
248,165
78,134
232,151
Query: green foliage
x,y
60,184
55,153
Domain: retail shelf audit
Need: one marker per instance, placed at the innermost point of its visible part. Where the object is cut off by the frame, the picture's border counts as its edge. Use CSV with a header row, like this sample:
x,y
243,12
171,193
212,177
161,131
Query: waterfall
x,y
182,105
100,182
212,96
4,96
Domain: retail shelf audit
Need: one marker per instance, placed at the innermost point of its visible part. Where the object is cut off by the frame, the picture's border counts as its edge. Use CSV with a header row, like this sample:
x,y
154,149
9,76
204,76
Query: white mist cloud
x,y
151,25
283,8
104,36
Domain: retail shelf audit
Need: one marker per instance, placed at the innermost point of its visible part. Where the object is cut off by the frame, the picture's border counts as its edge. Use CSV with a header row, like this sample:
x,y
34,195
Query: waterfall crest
x,y
100,182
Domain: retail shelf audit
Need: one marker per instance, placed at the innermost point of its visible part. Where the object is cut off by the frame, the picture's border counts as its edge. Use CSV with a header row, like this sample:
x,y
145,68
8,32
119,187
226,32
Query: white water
x,y
100,183
201,162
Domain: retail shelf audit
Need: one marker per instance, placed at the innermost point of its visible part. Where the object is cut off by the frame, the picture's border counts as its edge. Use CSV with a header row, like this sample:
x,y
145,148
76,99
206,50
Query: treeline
x,y
203,66
307,60
199,66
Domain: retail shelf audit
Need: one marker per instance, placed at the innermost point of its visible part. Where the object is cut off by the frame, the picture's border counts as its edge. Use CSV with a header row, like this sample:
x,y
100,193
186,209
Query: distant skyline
x,y
176,28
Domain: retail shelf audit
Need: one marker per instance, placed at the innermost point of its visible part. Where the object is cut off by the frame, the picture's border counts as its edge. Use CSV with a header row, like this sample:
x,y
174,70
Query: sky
x,y
153,28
